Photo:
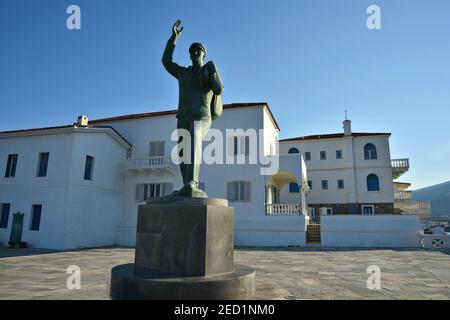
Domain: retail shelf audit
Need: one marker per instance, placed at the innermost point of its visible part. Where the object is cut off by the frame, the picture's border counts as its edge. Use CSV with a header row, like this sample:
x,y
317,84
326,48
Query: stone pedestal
x,y
184,250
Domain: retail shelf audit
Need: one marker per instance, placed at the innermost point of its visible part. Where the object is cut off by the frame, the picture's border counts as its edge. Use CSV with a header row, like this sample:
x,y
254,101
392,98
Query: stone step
x,y
313,233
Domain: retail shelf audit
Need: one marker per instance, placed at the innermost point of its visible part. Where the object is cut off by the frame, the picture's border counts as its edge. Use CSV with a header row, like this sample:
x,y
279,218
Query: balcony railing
x,y
280,209
399,167
415,205
400,163
403,195
151,163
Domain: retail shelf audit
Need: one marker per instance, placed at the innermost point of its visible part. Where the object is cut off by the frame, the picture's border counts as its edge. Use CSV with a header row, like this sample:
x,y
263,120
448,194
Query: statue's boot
x,y
190,189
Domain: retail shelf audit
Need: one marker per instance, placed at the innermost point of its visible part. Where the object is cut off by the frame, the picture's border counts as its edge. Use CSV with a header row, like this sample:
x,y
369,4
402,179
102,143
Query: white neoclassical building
x,y
80,185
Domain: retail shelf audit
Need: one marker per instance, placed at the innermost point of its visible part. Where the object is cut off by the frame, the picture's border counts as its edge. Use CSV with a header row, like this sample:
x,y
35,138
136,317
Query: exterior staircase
x,y
313,234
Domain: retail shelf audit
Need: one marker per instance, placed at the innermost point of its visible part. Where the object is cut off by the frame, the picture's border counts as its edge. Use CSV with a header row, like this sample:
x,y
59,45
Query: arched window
x,y
293,150
370,152
373,183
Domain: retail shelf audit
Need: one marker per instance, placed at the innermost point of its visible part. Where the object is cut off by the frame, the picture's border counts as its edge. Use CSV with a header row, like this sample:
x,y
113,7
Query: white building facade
x,y
81,185
348,173
63,205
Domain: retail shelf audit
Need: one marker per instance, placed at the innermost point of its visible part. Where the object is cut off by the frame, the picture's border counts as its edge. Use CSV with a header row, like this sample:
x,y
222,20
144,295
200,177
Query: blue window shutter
x,y
373,183
293,187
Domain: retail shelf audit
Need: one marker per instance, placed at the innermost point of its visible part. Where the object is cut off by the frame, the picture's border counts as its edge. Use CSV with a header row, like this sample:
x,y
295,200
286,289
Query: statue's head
x,y
197,51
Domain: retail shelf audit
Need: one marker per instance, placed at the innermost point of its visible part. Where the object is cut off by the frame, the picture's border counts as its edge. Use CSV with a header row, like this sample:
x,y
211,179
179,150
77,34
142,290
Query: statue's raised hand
x,y
175,31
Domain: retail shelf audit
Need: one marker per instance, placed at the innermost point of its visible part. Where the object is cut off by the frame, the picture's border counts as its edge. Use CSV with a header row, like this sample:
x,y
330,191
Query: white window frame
x,y
371,156
12,164
368,206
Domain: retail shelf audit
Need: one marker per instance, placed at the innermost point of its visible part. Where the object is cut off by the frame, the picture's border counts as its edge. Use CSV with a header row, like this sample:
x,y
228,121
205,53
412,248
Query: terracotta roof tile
x,y
63,127
36,129
172,112
334,136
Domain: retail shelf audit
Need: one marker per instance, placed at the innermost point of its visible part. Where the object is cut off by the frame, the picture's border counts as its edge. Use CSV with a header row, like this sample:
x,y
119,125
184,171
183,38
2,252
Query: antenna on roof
x,y
346,115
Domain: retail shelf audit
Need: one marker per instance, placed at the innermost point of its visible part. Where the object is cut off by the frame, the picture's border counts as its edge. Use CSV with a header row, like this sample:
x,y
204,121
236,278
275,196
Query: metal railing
x,y
281,209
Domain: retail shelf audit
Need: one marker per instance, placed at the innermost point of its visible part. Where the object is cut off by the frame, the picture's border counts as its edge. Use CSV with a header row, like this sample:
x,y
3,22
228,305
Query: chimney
x,y
347,128
82,121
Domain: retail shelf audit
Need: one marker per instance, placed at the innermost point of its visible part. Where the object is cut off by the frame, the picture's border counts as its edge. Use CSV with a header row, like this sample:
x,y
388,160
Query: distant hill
x,y
439,197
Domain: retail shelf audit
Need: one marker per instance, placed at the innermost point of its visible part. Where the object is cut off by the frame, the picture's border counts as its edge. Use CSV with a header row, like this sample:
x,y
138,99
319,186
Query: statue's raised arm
x,y
167,58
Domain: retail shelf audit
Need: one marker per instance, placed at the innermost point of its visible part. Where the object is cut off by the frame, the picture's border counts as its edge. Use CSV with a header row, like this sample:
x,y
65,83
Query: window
x,y
324,184
323,155
247,145
129,153
293,188
307,156
43,164
368,209
156,149
373,183
11,166
340,184
36,211
329,211
239,191
370,152
293,150
310,184
338,154
5,215
89,168
241,145
152,190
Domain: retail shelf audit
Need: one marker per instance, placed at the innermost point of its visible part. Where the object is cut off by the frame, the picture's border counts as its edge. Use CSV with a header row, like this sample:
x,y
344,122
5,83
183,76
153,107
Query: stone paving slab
x,y
282,273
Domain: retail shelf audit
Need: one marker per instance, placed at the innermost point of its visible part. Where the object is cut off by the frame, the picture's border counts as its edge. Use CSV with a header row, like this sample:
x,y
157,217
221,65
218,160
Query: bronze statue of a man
x,y
200,90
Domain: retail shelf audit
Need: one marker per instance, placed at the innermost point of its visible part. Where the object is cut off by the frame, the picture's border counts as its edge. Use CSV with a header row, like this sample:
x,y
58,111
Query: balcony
x,y
420,208
283,209
152,164
402,195
399,167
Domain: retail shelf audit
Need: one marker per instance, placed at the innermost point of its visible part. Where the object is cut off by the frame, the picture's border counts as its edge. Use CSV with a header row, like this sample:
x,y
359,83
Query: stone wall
x,y
352,208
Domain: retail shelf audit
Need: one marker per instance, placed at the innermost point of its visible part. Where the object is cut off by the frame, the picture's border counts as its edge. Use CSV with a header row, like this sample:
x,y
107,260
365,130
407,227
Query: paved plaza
x,y
283,273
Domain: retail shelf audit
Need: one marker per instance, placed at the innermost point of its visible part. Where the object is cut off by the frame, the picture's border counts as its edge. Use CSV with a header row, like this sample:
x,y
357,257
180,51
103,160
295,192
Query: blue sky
x,y
309,59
